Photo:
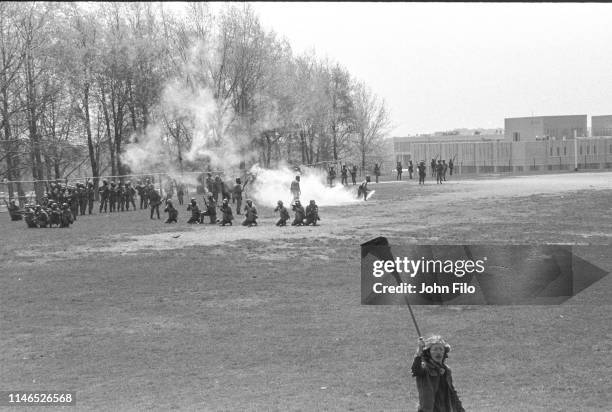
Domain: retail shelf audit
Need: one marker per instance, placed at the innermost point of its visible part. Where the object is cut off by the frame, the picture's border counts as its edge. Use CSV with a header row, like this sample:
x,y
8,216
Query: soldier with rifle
x,y
154,202
284,214
344,175
300,214
104,192
312,214
422,172
251,214
227,215
172,212
195,212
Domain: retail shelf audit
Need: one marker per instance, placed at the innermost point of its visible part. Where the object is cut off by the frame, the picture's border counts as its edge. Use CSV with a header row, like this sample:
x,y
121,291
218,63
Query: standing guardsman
x,y
376,171
295,189
399,171
422,172
104,192
90,194
354,174
237,195
344,175
154,202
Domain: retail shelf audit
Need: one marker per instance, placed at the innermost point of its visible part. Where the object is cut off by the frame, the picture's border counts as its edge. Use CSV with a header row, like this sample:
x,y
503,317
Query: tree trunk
x,y
111,146
90,146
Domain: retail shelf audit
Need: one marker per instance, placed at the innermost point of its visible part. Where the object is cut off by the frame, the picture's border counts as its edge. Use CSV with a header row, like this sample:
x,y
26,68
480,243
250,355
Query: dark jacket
x,y
435,386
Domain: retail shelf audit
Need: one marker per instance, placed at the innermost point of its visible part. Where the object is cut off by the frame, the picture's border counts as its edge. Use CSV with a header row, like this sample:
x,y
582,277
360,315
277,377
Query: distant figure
x,y
376,171
444,168
295,189
354,174
433,167
399,171
410,169
450,166
422,172
344,175
439,172
331,176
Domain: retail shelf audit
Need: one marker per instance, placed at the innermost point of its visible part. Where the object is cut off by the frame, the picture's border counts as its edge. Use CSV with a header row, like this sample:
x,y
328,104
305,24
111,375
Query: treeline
x,y
78,82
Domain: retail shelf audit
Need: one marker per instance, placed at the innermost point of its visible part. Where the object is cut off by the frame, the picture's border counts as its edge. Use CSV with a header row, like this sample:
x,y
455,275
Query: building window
x,y
551,150
558,151
588,149
581,149
594,149
564,150
516,136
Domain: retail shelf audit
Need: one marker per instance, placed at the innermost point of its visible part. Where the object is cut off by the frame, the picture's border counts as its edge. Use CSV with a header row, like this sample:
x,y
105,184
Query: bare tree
x,y
371,121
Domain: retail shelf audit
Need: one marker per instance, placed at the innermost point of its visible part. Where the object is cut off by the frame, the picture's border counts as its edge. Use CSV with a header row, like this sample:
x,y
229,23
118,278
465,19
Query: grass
x,y
265,318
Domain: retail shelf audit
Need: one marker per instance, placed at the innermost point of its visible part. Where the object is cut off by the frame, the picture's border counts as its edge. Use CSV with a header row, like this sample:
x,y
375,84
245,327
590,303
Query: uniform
x,y
195,212
211,210
354,175
300,214
422,172
172,212
154,202
344,175
237,195
439,172
90,195
226,210
251,214
399,171
312,214
284,214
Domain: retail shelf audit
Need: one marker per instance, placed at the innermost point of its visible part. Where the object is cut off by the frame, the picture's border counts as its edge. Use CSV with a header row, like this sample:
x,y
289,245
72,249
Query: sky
x,y
441,66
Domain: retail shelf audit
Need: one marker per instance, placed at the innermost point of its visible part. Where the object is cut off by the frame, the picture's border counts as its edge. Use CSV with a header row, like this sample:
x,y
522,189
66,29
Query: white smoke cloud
x,y
271,186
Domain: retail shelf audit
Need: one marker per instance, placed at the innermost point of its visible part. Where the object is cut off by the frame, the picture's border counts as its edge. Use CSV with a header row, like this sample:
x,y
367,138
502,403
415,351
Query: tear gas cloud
x,y
271,186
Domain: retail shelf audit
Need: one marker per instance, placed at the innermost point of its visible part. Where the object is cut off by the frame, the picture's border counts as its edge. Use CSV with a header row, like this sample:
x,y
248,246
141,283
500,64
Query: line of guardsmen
x,y
303,217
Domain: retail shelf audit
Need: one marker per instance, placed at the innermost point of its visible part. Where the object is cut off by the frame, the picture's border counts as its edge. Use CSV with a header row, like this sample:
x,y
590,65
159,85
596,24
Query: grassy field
x,y
137,315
